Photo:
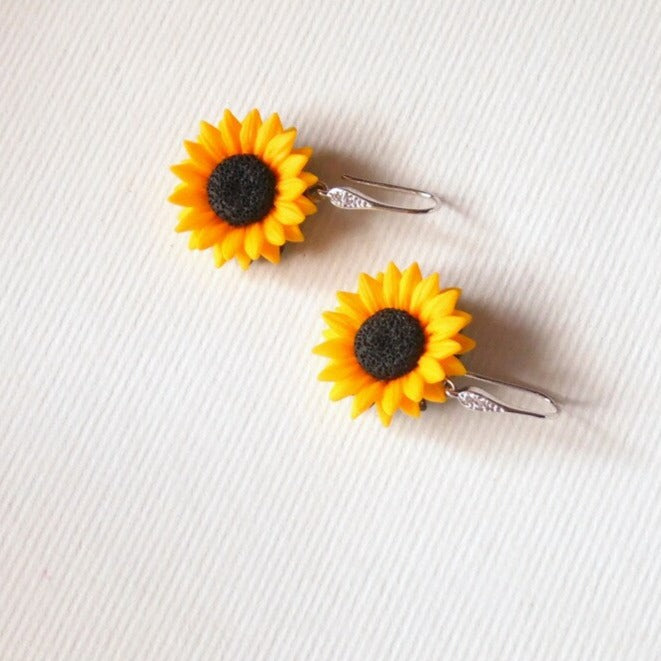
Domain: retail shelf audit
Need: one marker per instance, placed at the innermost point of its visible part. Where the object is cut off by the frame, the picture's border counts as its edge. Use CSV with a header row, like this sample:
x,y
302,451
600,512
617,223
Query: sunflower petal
x,y
349,386
191,174
452,366
194,219
279,147
248,132
366,397
200,155
306,205
430,369
290,189
410,278
352,305
424,290
254,240
211,138
409,407
218,255
370,292
391,279
293,165
309,178
273,231
465,315
466,343
271,127
354,302
392,395
439,349
230,128
187,196
386,418
340,322
412,385
233,242
207,236
305,151
434,392
293,233
243,259
340,371
271,252
441,305
446,326
288,213
340,349
193,240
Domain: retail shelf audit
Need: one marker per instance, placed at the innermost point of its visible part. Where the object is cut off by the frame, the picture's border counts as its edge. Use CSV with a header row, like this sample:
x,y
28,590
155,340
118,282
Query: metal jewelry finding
x,y
477,399
345,197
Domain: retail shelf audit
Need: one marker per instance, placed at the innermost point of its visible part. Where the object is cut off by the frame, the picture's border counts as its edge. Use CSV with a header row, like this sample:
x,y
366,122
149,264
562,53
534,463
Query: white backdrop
x,y
175,484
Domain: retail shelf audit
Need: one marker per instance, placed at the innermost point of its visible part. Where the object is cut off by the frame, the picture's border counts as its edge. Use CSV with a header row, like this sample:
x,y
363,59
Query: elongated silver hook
x,y
477,399
344,197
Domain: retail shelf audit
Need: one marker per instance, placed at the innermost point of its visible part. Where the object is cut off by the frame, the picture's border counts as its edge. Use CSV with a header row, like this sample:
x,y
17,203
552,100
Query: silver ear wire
x,y
344,197
477,399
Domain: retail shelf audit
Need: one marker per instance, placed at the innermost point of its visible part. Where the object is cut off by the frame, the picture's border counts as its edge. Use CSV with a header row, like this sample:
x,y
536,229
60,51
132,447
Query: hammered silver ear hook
x,y
344,197
477,399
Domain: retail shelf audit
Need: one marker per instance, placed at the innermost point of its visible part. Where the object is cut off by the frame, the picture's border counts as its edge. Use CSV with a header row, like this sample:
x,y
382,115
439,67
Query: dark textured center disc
x,y
389,344
241,189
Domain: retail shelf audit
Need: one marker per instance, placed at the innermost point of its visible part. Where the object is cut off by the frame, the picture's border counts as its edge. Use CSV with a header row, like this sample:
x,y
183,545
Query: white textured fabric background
x,y
175,484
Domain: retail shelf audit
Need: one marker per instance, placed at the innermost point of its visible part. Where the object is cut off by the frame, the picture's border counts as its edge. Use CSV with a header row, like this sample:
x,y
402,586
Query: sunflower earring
x,y
395,344
245,191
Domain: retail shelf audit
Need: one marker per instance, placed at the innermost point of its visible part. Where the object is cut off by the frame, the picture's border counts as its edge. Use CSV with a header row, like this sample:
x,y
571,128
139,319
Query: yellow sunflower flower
x,y
394,342
243,189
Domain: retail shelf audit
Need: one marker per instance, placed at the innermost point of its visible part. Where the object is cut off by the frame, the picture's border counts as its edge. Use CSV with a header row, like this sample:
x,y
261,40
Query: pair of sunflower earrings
x,y
393,344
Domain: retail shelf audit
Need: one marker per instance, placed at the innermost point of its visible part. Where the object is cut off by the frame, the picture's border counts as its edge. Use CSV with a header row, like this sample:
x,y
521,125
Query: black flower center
x,y
241,189
389,344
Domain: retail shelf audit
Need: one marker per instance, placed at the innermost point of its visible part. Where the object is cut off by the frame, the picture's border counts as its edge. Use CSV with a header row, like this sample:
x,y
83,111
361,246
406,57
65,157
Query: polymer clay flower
x,y
394,342
243,189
